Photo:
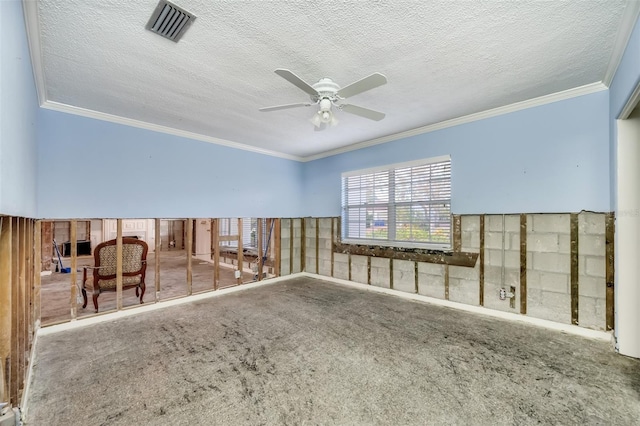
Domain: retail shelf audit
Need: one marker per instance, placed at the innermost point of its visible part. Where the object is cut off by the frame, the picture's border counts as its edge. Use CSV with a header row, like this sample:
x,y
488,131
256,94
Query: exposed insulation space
x,y
550,266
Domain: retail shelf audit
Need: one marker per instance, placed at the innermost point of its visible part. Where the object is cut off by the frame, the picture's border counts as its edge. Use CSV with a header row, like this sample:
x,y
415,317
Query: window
x,y
404,205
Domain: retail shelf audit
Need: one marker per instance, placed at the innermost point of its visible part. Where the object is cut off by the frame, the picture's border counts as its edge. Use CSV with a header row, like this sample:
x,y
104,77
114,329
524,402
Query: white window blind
x,y
406,205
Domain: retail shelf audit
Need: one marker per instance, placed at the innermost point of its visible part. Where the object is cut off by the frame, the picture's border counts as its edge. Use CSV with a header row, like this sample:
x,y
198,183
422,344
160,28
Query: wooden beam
x,y
523,264
368,268
481,266
156,254
119,261
610,271
575,291
417,255
73,239
391,274
457,233
303,245
22,306
416,276
290,246
333,241
240,250
15,308
6,305
37,280
317,245
260,242
228,237
190,225
215,233
446,282
277,245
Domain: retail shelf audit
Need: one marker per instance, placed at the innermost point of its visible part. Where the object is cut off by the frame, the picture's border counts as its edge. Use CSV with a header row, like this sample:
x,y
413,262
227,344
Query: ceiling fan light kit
x,y
326,94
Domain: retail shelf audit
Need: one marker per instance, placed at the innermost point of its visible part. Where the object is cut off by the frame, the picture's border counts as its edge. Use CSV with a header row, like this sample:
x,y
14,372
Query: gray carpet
x,y
305,352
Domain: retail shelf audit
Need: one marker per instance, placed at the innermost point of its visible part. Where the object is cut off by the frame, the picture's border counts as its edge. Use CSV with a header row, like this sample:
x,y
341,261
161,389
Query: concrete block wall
x,y
285,246
547,273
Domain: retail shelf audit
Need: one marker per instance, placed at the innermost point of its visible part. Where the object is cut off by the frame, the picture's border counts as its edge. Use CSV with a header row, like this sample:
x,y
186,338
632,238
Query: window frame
x,y
390,206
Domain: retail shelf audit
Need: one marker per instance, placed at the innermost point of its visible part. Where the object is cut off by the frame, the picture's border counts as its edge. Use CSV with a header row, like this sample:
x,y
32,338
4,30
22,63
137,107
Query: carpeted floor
x,y
306,351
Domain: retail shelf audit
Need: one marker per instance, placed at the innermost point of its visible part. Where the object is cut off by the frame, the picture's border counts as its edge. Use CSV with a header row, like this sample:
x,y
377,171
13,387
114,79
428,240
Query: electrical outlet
x,y
238,274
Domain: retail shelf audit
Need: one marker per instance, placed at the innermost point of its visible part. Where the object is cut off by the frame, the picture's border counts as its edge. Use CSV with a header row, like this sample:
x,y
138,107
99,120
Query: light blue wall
x,y
18,114
551,158
624,83
95,169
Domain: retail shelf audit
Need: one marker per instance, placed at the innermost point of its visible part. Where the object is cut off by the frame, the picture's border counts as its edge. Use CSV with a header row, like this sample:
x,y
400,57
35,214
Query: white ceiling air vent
x,y
169,21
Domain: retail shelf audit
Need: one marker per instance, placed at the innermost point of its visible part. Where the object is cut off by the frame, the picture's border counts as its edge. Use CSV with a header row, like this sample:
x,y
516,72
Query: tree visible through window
x,y
406,205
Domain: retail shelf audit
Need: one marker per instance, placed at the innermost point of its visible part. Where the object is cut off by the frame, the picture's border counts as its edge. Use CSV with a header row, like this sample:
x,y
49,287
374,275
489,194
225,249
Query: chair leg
x,y
84,296
95,301
142,289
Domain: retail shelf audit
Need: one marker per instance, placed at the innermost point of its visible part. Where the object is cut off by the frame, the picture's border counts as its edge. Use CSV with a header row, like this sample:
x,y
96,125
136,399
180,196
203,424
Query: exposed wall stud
x,y
73,239
215,232
523,264
119,264
277,246
290,246
457,233
446,282
368,269
317,245
609,270
303,246
15,347
575,292
189,249
416,276
259,230
240,251
481,266
333,240
156,265
391,274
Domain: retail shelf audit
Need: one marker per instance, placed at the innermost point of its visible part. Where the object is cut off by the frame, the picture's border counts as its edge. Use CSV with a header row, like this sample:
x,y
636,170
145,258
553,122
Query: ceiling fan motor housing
x,y
326,89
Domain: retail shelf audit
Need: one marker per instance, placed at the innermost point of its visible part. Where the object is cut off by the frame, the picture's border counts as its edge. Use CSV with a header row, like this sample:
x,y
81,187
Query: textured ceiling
x,y
442,59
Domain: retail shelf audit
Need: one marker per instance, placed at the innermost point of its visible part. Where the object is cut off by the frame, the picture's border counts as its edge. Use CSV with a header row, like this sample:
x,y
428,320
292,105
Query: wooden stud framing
x,y
190,224
391,274
37,281
481,266
290,246
73,238
119,261
277,241
15,346
457,233
574,269
6,306
523,264
240,251
260,249
349,262
22,304
156,265
610,271
368,269
317,245
215,235
446,282
303,245
333,240
416,277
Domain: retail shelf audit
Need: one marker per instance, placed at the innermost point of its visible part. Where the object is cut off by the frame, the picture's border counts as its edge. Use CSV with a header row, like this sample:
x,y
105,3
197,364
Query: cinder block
x,y
593,245
325,227
548,281
404,278
511,258
285,231
548,305
595,266
591,223
431,269
471,241
595,287
325,267
431,284
543,242
493,240
512,223
564,243
464,291
588,315
359,269
341,266
551,223
493,223
465,273
380,272
552,262
470,223
284,265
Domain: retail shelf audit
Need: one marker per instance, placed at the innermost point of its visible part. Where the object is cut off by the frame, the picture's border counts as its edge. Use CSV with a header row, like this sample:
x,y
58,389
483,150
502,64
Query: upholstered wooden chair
x,y
103,278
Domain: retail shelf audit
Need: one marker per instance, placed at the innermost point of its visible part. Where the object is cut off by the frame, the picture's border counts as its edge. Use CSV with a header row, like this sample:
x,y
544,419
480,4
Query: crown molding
x,y
632,103
32,25
56,106
518,106
629,19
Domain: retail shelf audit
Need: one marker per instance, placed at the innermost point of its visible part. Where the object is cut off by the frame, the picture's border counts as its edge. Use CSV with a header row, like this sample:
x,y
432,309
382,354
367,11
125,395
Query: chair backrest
x,y
134,256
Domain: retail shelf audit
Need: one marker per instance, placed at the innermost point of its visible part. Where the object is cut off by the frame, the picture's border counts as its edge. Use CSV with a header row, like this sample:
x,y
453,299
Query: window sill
x,y
452,258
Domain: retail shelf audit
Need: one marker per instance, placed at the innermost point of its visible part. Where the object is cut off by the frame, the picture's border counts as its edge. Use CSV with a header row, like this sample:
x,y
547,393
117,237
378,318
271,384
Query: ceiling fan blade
x,y
296,81
363,112
374,80
278,107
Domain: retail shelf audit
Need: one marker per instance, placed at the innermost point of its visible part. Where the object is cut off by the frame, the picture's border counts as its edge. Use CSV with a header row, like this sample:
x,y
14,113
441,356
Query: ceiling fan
x,y
327,94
